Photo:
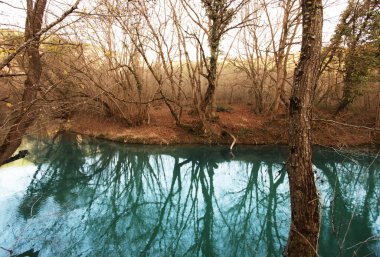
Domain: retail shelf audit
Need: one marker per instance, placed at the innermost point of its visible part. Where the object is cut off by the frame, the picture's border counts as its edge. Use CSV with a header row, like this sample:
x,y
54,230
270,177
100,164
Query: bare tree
x,y
305,220
220,14
37,35
23,119
254,62
24,116
281,51
265,49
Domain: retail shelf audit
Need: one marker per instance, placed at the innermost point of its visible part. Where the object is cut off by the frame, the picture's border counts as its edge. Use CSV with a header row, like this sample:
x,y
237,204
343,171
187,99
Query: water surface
x,y
97,198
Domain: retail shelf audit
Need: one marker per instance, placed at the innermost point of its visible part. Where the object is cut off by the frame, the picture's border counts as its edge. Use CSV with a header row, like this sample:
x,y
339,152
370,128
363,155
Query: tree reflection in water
x,y
96,198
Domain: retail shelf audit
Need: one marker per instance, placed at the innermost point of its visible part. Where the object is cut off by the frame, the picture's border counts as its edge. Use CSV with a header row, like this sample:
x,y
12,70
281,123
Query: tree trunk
x,y
208,101
378,112
280,83
25,116
280,66
376,134
282,54
305,218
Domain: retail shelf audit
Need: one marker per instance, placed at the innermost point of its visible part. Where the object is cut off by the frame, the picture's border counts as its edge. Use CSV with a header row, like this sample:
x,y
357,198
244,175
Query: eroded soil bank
x,y
245,125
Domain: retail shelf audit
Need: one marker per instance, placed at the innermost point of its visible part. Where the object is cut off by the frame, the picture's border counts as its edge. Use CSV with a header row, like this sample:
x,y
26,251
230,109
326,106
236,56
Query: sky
x,y
12,15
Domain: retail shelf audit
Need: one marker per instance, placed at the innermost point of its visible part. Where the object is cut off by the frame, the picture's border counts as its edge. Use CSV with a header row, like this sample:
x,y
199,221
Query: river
x,y
88,197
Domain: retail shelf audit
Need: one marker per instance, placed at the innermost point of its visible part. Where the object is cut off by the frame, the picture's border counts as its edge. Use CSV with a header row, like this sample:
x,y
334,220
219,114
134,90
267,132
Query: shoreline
x,y
247,127
242,123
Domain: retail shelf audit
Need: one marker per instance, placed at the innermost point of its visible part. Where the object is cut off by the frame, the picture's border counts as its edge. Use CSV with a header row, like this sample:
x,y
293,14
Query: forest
x,y
124,60
292,72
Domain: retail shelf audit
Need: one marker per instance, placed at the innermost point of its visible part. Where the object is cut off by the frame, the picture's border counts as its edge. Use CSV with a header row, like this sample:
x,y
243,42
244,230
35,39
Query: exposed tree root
x,y
21,154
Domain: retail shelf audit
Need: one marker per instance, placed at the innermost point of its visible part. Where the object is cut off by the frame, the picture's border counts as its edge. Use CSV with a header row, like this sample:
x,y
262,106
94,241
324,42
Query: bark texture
x,y
305,220
25,116
219,16
376,134
378,112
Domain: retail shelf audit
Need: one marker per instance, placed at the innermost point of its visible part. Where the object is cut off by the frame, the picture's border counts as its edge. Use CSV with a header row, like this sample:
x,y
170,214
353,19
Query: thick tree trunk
x,y
378,112
376,134
209,98
25,116
305,220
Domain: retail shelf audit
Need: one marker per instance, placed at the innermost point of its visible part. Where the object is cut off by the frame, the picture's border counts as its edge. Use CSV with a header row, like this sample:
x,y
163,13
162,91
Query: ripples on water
x,y
96,198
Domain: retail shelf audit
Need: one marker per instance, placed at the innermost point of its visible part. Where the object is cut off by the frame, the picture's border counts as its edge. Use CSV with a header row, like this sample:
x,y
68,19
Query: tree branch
x,y
11,56
346,124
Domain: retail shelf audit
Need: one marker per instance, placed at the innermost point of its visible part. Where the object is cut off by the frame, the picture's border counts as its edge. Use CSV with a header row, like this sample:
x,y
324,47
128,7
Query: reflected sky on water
x,y
96,198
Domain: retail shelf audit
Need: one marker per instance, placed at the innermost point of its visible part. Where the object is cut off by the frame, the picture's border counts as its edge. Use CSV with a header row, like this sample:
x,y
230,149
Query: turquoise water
x,y
97,198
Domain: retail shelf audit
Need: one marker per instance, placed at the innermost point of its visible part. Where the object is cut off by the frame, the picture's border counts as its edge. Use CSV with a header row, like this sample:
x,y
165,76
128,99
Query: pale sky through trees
x,y
12,13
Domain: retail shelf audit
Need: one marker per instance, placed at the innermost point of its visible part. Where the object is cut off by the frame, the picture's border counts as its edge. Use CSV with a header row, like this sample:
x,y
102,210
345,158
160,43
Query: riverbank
x,y
246,126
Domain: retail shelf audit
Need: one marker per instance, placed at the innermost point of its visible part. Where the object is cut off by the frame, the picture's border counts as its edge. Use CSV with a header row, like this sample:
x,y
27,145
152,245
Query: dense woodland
x,y
119,59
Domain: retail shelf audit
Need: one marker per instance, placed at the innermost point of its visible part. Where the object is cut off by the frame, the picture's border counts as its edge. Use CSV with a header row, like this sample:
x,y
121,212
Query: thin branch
x,y
347,125
11,56
12,75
